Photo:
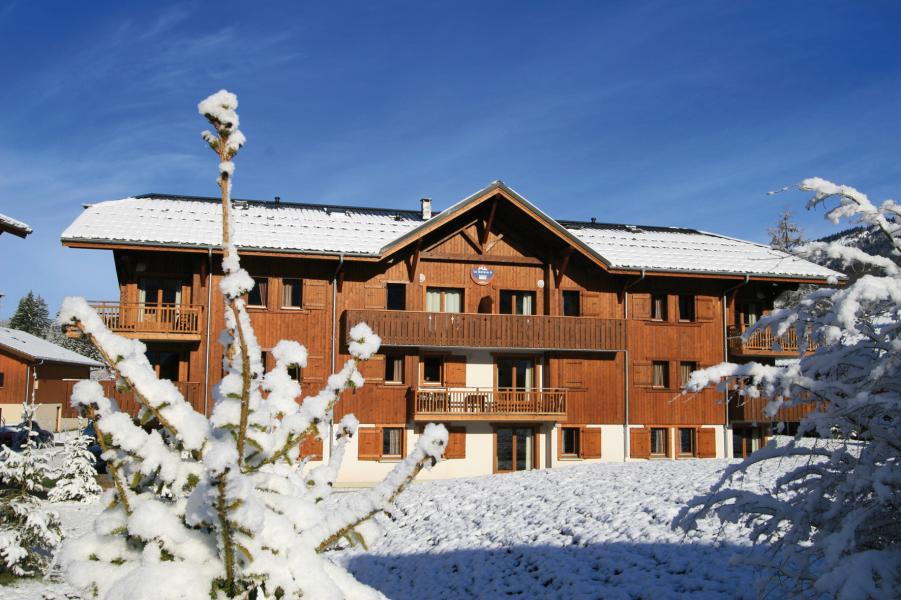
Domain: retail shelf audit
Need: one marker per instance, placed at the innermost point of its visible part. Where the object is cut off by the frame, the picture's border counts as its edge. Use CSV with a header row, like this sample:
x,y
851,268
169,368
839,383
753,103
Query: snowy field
x,y
592,531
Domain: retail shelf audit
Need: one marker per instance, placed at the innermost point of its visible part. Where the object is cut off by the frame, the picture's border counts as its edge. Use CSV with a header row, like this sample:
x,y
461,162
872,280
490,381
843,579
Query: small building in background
x,y
29,364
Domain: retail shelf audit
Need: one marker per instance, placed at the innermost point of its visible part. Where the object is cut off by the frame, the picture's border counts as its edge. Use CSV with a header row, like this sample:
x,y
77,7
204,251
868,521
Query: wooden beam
x,y
413,260
475,258
489,222
564,263
494,242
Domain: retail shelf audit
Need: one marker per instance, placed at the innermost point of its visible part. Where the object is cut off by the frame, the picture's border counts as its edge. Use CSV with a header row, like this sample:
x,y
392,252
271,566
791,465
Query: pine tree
x,y
29,534
219,507
31,316
787,234
75,478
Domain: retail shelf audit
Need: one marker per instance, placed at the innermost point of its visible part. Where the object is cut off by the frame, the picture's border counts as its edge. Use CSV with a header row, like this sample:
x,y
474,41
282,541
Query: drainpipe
x,y
209,313
726,293
334,353
626,361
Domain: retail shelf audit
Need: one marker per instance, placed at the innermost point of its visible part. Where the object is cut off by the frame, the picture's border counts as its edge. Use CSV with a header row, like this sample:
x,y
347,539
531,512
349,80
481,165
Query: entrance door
x,y
515,449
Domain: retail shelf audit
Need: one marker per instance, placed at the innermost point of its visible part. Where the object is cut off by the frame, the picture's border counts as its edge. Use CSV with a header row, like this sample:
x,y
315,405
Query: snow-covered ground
x,y
591,531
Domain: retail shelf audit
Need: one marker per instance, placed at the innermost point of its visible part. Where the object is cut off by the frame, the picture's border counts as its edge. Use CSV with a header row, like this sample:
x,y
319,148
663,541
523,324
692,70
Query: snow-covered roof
x,y
35,348
690,250
190,221
13,226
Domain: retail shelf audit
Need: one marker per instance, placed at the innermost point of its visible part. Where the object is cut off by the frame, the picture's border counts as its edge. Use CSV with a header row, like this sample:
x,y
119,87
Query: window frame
x,y
394,285
390,360
514,296
386,441
444,290
689,300
693,366
536,375
577,440
665,383
694,442
571,293
262,290
666,442
2,379
295,370
284,303
663,313
422,370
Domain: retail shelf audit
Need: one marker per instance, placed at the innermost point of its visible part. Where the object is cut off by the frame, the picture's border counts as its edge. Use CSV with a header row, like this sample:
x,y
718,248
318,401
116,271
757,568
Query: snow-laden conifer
x,y
834,523
29,534
76,475
221,507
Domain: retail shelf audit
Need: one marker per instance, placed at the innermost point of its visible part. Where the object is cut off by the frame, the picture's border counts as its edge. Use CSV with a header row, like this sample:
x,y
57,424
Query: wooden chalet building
x,y
540,343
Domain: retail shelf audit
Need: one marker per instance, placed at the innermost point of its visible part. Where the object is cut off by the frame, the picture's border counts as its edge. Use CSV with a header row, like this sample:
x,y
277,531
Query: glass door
x,y
514,447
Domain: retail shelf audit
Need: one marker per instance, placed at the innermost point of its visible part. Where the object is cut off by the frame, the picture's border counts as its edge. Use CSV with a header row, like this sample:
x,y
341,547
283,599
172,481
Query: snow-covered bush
x,y
833,524
29,534
220,507
75,477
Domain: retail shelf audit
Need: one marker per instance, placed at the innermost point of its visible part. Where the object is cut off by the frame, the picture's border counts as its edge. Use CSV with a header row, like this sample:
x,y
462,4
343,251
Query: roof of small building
x,y
8,224
190,221
35,348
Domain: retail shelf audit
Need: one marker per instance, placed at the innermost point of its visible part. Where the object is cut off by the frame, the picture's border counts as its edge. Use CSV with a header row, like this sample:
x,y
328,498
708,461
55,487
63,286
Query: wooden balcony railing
x,y
763,343
462,404
148,321
476,330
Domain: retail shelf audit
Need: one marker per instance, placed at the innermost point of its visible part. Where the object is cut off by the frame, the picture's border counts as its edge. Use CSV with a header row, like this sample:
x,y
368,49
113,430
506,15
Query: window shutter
x,y
705,308
591,304
314,293
643,373
641,306
455,371
639,443
311,447
591,442
369,443
375,296
373,369
572,374
456,442
706,442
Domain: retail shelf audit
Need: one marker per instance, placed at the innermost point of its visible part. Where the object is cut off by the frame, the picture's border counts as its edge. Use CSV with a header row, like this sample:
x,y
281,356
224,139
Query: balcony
x,y
479,404
476,330
153,322
761,343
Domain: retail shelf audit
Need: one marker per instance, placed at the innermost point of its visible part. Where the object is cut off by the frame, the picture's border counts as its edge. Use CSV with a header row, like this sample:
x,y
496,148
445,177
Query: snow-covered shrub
x,y
220,507
75,477
834,523
29,534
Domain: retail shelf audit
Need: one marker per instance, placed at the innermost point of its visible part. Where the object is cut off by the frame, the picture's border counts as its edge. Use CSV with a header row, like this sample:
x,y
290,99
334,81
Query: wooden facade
x,y
489,316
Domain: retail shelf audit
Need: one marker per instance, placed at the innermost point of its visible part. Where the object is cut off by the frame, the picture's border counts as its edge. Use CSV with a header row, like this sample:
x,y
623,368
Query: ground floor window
x,y
570,441
746,440
659,441
686,441
514,449
392,442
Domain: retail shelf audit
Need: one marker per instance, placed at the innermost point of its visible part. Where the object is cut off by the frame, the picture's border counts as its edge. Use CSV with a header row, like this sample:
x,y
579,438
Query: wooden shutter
x,y
591,304
639,443
455,371
369,443
641,306
706,442
314,293
705,308
375,295
591,442
643,373
456,443
311,447
572,374
374,368
315,369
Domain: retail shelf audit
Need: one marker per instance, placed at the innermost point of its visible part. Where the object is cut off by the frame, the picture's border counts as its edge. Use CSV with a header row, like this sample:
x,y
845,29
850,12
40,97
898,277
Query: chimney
x,y
278,200
426,204
594,219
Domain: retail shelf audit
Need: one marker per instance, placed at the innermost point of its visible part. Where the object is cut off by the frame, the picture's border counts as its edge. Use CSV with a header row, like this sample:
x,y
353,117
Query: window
x,y
685,369
686,308
159,291
516,373
397,296
2,379
661,374
264,359
291,293
294,372
658,307
570,441
448,300
686,441
658,441
431,369
165,363
572,306
257,296
394,368
392,442
748,313
517,303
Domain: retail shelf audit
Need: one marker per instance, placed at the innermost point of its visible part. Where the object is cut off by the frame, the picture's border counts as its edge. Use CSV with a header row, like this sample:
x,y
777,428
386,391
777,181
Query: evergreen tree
x,y
787,234
29,534
31,316
75,480
79,344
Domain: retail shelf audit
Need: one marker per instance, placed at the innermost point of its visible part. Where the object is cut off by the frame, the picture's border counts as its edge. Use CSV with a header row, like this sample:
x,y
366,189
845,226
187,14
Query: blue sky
x,y
641,112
